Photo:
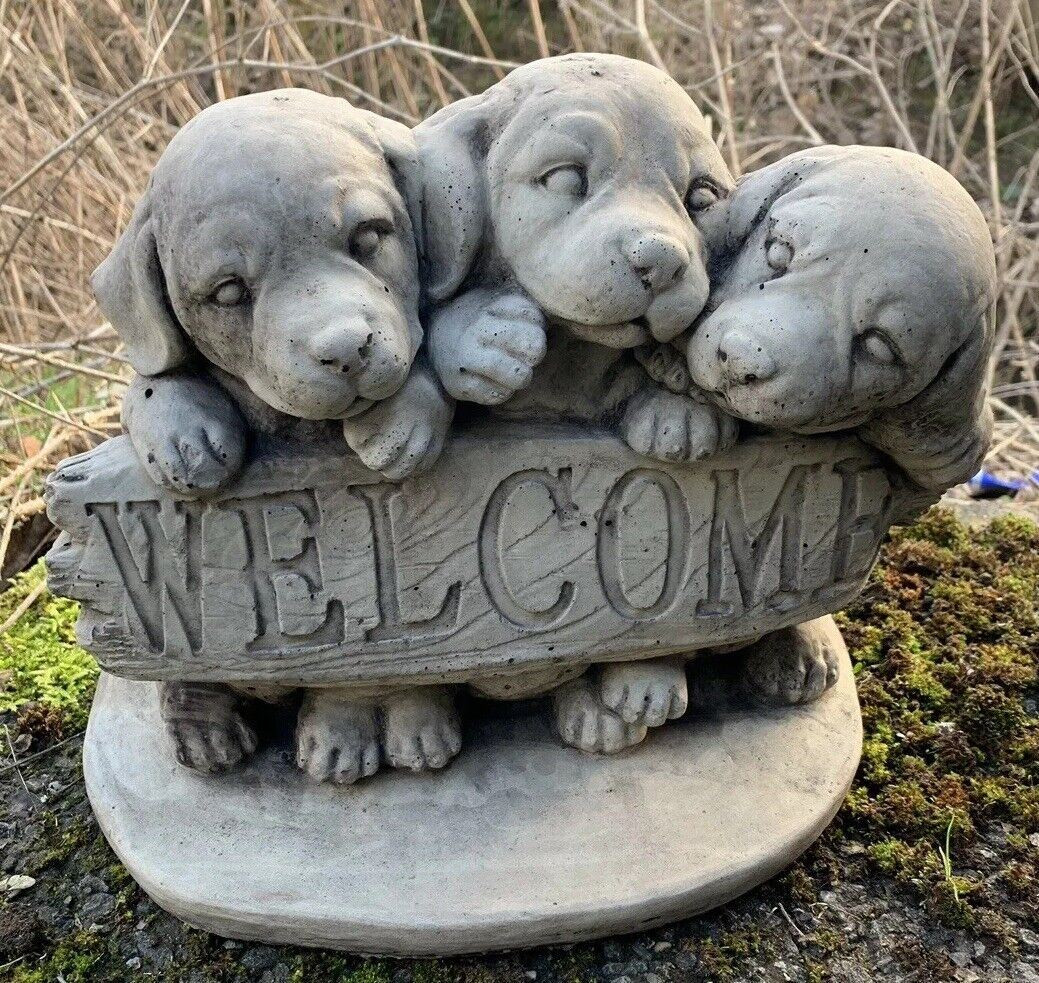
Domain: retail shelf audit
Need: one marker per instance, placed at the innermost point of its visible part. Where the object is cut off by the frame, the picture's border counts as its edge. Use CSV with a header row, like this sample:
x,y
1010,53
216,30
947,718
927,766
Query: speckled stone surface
x,y
520,842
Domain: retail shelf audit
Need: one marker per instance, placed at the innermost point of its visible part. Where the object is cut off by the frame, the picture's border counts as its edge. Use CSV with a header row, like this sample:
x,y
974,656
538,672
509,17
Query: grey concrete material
x,y
564,199
520,843
287,281
524,548
853,291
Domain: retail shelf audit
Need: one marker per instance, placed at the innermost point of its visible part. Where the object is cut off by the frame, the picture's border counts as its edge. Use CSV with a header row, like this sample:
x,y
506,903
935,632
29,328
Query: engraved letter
x,y
284,571
163,594
491,569
858,534
391,626
608,544
729,524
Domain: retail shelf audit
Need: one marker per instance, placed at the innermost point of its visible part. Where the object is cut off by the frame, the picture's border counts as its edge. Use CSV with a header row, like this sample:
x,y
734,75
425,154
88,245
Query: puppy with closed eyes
x,y
268,284
560,233
852,292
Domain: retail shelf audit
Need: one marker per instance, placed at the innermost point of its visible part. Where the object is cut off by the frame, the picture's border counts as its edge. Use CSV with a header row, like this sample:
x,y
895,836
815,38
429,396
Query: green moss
x,y
369,972
40,661
944,642
75,960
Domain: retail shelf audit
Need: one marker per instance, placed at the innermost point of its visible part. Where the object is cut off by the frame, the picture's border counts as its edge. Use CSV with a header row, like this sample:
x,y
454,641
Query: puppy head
x,y
581,176
855,287
275,240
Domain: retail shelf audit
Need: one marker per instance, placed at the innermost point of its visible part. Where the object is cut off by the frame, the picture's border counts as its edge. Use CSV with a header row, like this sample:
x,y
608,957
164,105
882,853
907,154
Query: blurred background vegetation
x,y
92,90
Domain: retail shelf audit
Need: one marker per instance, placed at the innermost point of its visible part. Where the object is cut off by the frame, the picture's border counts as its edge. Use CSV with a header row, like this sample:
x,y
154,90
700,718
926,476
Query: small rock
x,y
1024,973
14,883
661,946
1028,938
91,885
961,959
96,909
258,959
1033,838
652,978
134,962
531,974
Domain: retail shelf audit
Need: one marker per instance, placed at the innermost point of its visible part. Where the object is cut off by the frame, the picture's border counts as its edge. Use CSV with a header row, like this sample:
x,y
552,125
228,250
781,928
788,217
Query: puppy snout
x,y
658,259
342,347
744,360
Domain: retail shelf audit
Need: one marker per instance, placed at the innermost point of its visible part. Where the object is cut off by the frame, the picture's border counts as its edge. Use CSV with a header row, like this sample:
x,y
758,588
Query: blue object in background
x,y
987,485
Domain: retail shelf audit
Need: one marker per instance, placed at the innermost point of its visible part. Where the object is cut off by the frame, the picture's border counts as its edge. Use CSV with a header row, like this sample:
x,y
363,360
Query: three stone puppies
x,y
560,225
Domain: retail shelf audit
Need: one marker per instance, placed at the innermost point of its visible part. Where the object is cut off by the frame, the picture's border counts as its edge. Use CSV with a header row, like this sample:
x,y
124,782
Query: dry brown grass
x,y
93,89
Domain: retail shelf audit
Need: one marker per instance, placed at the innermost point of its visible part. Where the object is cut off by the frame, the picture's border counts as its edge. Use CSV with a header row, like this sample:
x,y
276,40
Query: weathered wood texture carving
x,y
314,570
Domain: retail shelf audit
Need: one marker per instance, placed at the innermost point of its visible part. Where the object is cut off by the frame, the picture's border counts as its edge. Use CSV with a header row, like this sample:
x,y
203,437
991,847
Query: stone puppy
x,y
559,212
852,291
853,294
268,277
268,283
560,233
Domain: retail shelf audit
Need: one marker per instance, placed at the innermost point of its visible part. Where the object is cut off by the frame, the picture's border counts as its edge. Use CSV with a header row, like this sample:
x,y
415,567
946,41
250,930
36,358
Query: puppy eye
x,y
701,195
231,292
779,254
570,179
878,346
366,239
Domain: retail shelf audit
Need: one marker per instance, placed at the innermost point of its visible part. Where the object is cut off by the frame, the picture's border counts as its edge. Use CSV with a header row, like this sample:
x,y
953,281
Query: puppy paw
x,y
493,356
337,738
584,723
666,366
790,666
649,692
421,729
205,725
405,434
670,427
188,434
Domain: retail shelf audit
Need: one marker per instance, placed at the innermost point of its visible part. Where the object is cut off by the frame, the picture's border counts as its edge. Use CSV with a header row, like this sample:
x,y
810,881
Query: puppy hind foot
x,y
205,725
584,723
337,737
420,728
790,666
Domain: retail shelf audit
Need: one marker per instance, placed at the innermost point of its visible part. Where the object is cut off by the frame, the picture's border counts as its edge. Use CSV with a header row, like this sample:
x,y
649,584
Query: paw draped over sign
x,y
315,570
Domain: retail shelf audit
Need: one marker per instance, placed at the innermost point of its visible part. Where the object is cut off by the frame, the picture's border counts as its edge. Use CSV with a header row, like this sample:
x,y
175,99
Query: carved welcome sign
x,y
522,548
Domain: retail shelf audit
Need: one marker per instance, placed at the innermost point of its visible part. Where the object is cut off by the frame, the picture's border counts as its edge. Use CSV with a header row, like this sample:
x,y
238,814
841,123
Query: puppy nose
x,y
658,259
343,347
744,360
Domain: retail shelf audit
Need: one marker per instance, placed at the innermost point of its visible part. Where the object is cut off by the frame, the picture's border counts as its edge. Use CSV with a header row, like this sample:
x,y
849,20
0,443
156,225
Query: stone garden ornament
x,y
396,674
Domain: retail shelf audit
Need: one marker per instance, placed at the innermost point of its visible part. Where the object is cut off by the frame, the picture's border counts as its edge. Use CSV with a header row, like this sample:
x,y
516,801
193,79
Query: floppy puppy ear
x,y
131,292
452,151
940,437
401,153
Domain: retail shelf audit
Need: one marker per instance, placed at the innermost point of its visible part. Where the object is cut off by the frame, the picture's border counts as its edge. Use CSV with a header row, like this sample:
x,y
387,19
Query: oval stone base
x,y
520,842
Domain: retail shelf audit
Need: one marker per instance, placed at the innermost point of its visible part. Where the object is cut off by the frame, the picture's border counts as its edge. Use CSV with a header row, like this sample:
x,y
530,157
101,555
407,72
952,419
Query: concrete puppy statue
x,y
564,198
560,232
268,282
278,292
852,292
